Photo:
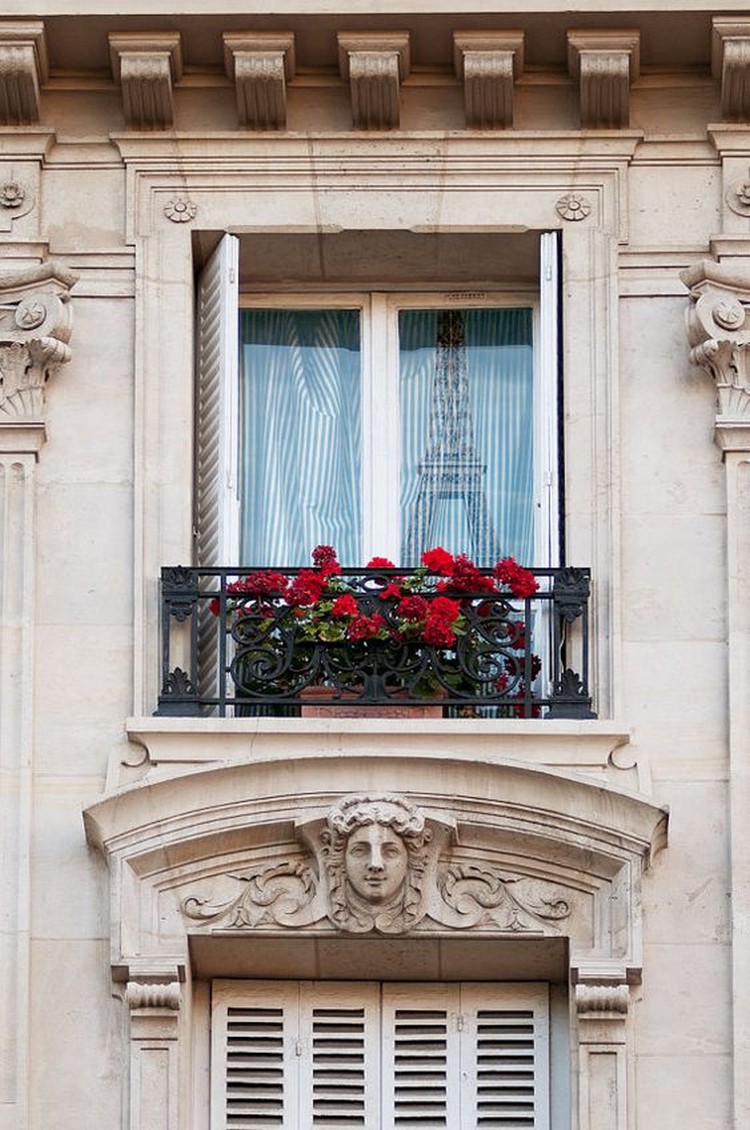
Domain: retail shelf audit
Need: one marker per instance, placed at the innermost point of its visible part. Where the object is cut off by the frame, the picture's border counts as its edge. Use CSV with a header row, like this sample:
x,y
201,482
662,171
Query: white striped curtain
x,y
301,429
300,435
500,371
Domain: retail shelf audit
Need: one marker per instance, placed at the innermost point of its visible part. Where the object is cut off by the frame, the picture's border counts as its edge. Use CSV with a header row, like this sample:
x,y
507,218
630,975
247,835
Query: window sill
x,y
171,746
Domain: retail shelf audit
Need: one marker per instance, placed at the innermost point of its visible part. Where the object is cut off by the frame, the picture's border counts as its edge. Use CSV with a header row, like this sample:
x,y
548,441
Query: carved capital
x,y
375,64
601,1000
730,66
260,65
23,69
488,64
604,63
718,326
153,994
146,66
35,326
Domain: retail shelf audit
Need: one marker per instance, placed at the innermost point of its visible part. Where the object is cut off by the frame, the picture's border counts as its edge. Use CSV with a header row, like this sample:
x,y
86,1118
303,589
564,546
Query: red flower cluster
x,y
520,581
344,605
366,627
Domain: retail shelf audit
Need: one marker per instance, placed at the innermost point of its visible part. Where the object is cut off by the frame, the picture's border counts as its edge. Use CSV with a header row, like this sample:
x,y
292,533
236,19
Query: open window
x,y
379,421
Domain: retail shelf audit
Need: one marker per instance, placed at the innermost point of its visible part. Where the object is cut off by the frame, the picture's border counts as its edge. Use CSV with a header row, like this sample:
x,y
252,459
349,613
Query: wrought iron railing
x,y
229,652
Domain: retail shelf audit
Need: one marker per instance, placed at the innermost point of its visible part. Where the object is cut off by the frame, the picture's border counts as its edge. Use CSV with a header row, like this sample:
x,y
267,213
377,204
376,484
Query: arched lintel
x,y
550,830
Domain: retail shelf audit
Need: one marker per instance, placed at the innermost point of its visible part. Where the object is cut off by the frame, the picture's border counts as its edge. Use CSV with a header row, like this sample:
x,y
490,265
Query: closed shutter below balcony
x,y
335,1055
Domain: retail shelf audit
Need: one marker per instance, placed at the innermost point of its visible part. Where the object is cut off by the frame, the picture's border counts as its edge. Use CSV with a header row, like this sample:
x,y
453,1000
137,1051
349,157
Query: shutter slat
x,y
339,1088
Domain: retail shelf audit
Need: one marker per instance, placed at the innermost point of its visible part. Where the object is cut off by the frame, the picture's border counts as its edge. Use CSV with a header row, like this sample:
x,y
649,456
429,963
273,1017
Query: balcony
x,y
280,642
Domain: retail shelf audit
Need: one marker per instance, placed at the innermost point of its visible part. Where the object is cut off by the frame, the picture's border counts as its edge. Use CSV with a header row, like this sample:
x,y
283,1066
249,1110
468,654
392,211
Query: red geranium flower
x,y
520,581
365,627
345,605
413,608
438,632
438,560
445,609
324,555
306,588
380,563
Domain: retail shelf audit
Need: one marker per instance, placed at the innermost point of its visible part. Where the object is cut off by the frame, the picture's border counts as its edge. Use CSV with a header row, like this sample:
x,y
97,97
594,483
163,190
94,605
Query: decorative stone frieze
x,y
260,65
146,66
35,326
604,64
378,865
718,324
488,64
23,69
375,64
730,66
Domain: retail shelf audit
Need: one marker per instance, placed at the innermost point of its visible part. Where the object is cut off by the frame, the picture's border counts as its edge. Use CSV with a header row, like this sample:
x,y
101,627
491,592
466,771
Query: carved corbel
x,y
730,66
146,67
604,64
488,64
23,69
375,64
602,1016
154,996
260,65
35,326
718,326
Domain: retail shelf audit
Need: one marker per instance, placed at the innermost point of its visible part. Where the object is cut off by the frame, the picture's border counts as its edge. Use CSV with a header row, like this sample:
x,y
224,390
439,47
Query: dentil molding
x,y
35,327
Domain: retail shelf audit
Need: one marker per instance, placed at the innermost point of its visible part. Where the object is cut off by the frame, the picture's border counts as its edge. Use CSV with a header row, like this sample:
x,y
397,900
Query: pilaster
x,y
603,1085
719,333
154,998
34,330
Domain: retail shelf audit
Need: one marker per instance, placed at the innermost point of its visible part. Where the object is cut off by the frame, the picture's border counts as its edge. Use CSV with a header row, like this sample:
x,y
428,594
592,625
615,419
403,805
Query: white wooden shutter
x,y
216,423
504,1057
340,1065
420,1056
546,414
254,1047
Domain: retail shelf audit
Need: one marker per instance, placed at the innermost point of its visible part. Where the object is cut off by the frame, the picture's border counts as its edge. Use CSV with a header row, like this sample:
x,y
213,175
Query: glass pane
x,y
466,389
300,435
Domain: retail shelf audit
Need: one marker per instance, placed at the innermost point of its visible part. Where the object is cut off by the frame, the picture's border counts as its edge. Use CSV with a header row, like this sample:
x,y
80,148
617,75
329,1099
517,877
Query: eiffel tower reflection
x,y
451,468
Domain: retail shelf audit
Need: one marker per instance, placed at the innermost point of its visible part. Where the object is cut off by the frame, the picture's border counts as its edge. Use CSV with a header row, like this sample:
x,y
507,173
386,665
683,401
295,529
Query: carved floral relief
x,y
375,865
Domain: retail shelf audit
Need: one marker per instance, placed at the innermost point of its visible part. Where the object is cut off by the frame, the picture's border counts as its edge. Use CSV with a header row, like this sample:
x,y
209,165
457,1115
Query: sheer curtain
x,y
300,434
467,433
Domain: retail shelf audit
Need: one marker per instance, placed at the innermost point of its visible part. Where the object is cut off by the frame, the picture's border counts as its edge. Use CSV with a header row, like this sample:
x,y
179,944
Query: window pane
x,y
467,433
300,434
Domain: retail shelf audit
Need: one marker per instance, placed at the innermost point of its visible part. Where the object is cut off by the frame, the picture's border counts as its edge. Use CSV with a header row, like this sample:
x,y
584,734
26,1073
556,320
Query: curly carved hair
x,y
397,813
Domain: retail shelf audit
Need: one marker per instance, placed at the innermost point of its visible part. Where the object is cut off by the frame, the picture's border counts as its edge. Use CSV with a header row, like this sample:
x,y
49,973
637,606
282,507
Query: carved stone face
x,y
375,862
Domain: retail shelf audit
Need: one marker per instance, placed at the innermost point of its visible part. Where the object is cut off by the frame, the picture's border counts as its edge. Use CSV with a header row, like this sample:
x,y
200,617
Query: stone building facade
x,y
195,900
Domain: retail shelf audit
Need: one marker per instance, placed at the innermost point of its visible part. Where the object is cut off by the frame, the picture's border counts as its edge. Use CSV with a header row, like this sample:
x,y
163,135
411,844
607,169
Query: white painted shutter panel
x,y
420,1057
504,1057
546,415
254,1047
340,1064
216,423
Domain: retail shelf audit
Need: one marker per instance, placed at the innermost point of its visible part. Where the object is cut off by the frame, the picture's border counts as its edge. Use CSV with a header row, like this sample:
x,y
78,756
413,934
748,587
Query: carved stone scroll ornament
x,y
718,325
376,867
35,326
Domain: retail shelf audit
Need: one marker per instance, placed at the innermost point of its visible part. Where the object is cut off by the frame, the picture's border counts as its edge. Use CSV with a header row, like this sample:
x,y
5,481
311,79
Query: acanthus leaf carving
x,y
35,327
375,867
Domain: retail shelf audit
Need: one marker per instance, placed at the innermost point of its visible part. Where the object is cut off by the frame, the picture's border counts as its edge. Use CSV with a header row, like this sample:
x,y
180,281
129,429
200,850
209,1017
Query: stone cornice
x,y
23,69
376,63
730,65
146,66
718,325
260,65
604,63
488,64
35,326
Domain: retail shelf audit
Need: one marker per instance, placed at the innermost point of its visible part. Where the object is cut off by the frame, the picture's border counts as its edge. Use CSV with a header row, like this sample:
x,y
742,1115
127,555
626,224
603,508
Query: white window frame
x,y
219,292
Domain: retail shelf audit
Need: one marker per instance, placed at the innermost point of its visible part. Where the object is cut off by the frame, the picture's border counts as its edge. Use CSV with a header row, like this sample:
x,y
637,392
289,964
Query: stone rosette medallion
x,y
376,864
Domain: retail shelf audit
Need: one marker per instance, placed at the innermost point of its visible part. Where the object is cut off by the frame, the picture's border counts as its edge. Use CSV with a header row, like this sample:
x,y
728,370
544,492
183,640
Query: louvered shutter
x,y
339,1067
420,1056
504,1057
255,1054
